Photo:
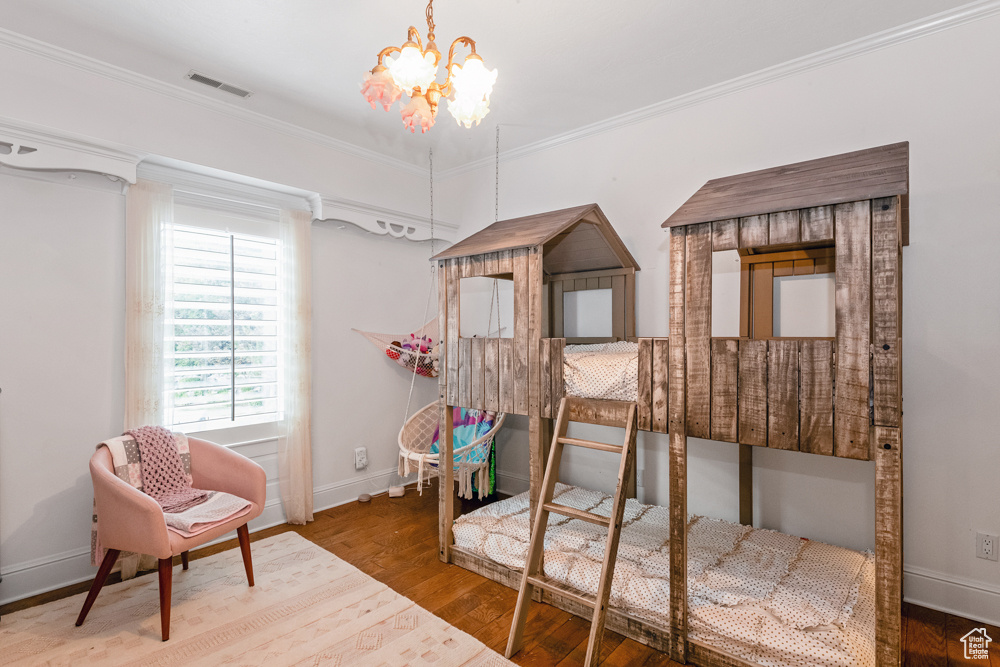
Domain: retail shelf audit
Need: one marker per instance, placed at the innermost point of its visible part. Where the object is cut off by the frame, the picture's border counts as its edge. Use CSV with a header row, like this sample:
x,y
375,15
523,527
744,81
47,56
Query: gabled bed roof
x,y
586,225
875,172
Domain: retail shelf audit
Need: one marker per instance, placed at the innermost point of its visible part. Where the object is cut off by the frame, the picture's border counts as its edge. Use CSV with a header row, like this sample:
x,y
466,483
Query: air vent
x,y
219,85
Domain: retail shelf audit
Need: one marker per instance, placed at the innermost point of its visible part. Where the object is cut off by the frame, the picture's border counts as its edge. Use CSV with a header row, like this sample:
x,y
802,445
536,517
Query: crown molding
x,y
84,63
383,221
928,25
36,148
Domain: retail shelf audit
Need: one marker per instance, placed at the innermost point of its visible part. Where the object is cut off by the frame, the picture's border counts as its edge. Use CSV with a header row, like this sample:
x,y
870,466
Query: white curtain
x,y
149,213
295,444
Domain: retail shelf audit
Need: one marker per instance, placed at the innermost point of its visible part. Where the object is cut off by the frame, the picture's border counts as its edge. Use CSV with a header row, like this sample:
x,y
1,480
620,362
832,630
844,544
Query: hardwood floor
x,y
394,540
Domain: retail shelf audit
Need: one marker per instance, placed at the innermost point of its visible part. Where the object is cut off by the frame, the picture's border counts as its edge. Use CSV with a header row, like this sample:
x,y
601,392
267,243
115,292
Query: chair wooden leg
x,y
184,560
244,536
102,575
166,575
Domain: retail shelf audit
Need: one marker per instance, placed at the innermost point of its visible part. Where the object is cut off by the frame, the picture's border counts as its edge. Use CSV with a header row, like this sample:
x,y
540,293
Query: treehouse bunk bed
x,y
706,591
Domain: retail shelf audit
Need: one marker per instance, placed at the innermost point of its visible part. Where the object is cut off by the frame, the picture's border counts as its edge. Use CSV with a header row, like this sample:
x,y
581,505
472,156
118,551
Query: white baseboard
x,y
969,598
511,484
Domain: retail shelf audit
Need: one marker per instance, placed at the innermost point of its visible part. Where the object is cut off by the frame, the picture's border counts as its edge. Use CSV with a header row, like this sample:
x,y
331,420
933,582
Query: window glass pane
x,y
225,350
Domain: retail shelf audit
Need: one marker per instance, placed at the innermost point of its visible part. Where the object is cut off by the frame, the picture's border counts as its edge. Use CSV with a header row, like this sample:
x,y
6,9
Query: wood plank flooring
x,y
394,540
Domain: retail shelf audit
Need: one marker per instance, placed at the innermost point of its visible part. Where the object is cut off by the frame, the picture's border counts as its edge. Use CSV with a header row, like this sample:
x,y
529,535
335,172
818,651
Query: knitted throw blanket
x,y
163,474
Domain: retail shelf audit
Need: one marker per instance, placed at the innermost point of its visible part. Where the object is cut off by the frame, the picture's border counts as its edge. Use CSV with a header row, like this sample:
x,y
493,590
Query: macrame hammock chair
x,y
474,453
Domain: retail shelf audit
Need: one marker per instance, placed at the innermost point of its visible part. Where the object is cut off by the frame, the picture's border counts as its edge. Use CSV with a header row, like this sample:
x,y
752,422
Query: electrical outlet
x,y
360,458
987,546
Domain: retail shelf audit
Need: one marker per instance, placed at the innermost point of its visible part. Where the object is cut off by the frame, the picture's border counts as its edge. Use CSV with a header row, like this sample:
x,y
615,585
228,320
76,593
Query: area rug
x,y
308,608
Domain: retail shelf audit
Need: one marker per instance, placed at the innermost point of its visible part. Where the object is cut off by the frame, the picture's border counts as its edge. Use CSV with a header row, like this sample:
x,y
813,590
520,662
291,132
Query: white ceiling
x,y
563,63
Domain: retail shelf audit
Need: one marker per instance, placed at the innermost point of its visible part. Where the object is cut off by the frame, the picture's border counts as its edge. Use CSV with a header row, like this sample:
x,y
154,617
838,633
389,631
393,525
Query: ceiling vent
x,y
219,85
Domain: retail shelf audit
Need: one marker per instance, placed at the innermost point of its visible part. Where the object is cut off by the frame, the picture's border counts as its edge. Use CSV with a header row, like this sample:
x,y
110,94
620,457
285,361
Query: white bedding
x,y
767,597
604,370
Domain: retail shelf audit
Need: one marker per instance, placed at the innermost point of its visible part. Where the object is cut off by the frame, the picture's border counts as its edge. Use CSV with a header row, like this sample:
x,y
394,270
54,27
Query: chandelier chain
x,y
496,181
430,159
430,20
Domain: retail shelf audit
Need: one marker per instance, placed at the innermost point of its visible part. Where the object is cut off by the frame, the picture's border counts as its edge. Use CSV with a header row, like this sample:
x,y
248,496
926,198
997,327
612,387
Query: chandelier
x,y
467,87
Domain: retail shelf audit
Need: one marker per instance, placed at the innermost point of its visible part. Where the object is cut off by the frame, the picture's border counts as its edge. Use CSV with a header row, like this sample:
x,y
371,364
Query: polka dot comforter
x,y
767,597
603,370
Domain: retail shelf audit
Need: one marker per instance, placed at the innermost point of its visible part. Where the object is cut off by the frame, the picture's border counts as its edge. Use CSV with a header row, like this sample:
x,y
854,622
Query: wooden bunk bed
x,y
837,396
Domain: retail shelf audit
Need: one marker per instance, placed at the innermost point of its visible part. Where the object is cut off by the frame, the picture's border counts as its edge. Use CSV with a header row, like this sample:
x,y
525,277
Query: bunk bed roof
x,y
867,174
571,239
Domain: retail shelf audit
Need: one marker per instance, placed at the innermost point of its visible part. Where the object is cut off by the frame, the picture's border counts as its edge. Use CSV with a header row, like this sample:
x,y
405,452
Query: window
x,y
225,365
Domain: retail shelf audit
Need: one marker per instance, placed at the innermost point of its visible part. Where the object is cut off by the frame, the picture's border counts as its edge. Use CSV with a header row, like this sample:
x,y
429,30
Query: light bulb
x,y
417,113
412,69
379,88
467,110
472,81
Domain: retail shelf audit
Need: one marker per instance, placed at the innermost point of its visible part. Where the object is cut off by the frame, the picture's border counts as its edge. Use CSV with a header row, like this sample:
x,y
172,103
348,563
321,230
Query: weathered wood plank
x,y
676,413
452,335
593,283
886,304
753,231
558,381
725,369
618,307
725,235
535,316
491,263
491,376
630,305
507,380
816,223
446,482
505,261
746,281
465,372
783,394
698,330
600,412
545,381
644,394
853,307
660,384
604,282
888,545
477,383
746,485
522,305
442,343
783,227
752,392
816,399
580,284
478,265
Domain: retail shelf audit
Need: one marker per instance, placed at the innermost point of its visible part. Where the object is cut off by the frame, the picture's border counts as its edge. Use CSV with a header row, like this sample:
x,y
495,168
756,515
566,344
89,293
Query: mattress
x,y
764,596
604,370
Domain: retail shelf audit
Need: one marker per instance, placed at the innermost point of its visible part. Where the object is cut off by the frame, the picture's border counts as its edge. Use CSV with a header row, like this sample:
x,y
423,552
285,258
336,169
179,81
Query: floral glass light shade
x,y
414,72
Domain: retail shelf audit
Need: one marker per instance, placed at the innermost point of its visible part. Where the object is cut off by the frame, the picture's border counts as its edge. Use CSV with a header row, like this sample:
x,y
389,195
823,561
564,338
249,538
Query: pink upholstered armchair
x,y
130,520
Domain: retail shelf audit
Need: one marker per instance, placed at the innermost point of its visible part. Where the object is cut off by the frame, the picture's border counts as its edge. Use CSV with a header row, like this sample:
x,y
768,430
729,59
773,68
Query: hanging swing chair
x,y
473,456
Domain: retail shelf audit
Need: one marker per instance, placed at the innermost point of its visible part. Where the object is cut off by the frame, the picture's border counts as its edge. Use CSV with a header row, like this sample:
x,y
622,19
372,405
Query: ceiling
x,y
563,64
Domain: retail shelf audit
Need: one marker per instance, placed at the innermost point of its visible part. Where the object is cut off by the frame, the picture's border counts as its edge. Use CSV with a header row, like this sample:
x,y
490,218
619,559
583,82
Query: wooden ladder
x,y
589,411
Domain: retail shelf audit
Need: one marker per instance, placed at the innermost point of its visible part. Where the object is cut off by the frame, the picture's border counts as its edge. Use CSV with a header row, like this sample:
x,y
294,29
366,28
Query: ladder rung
x,y
590,444
583,515
543,582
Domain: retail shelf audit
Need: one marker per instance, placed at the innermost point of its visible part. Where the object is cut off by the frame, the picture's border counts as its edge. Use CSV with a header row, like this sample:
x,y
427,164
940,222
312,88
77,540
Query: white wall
x,y
937,92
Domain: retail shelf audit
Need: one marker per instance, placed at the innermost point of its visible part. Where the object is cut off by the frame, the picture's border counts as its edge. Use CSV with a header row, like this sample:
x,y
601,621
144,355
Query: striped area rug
x,y
308,608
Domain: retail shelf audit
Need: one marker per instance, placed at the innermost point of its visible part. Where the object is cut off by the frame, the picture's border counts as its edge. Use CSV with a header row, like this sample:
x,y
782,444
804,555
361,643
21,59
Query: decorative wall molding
x,y
29,146
923,27
92,65
230,192
383,221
